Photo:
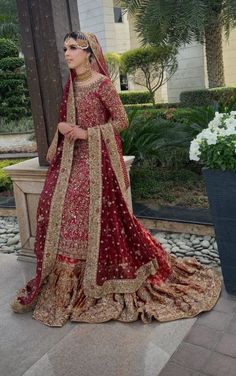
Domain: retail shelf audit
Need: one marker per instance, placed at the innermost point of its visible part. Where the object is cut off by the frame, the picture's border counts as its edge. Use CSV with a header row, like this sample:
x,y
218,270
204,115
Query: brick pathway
x,y
210,346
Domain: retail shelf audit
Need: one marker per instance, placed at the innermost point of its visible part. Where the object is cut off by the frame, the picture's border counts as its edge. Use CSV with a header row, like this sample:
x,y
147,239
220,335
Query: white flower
x,y
222,126
194,152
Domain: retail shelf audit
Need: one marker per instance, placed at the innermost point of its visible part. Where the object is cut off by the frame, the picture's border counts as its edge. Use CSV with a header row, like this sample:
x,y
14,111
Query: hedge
x,y
204,97
5,180
145,106
134,97
178,115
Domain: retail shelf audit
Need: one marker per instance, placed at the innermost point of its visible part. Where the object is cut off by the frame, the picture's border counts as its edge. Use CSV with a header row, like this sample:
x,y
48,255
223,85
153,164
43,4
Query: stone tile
x,y
231,328
42,367
203,336
172,369
225,305
227,345
30,348
220,365
191,356
226,295
114,349
23,340
215,320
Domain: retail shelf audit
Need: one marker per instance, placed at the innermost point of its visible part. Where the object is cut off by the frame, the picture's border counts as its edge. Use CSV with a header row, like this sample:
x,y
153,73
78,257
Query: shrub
x,y
8,48
11,63
113,61
14,97
16,126
181,187
203,97
187,116
150,136
144,106
150,66
5,180
135,97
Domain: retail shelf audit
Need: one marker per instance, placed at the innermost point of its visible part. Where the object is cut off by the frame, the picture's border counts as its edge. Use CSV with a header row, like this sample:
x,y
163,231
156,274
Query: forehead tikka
x,y
81,43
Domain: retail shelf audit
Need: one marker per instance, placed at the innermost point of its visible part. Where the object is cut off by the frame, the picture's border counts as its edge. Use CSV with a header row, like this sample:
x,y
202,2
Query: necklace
x,y
84,76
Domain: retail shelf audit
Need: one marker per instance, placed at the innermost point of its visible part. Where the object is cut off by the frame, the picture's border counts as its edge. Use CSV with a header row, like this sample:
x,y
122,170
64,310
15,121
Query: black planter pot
x,y
221,191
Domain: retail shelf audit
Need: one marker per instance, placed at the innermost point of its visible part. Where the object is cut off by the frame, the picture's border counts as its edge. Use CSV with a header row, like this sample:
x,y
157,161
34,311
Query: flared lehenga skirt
x,y
189,289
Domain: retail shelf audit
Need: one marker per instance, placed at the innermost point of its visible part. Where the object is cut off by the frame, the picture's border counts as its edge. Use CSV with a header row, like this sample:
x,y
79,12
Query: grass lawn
x,y
165,187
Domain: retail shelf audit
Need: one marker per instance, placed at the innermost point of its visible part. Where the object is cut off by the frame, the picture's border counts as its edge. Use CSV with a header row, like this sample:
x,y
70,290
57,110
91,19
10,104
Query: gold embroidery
x,y
56,208
90,280
84,89
112,101
191,289
109,138
73,248
53,147
95,177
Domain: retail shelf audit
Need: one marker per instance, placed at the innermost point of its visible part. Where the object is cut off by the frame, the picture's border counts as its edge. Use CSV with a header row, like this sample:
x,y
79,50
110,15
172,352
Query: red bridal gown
x,y
179,288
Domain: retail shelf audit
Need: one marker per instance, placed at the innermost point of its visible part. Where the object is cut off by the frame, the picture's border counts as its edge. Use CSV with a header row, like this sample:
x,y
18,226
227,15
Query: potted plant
x,y
215,148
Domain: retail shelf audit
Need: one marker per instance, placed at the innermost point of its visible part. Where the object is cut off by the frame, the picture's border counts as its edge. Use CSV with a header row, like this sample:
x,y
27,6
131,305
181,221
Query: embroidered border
x,y
109,138
52,148
95,206
55,215
91,288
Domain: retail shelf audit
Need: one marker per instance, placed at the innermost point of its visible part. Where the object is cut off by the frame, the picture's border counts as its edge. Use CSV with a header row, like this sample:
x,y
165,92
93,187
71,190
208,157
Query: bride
x,y
95,261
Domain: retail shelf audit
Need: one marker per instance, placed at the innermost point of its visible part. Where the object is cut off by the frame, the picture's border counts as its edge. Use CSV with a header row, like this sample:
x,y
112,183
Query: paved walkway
x,y
210,346
190,347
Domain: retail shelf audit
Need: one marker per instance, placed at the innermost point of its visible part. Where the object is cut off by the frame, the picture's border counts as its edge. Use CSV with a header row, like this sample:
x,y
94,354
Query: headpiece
x,y
79,38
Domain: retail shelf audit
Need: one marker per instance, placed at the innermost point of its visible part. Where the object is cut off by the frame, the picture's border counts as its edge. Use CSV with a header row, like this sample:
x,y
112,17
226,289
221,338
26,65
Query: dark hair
x,y
79,35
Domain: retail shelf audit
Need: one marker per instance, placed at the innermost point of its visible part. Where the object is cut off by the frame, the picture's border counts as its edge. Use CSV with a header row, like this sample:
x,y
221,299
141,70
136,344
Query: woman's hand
x,y
76,133
64,127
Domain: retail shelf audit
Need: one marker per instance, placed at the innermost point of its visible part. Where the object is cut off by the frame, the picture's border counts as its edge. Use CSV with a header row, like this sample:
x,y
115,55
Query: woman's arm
x,y
112,102
72,131
65,127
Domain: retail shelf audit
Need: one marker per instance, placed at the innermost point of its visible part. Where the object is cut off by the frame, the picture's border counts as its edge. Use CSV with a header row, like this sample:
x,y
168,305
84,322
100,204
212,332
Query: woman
x,y
95,261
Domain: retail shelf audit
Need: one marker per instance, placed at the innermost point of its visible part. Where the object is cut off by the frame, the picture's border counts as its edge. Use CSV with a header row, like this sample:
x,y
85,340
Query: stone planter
x,y
221,191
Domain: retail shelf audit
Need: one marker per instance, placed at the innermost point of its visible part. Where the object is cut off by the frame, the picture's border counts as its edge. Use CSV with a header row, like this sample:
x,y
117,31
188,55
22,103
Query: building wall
x,y
190,73
134,40
97,16
91,15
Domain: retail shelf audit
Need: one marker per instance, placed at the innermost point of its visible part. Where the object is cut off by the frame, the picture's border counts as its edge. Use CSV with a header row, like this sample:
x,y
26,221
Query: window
x,y
118,15
124,82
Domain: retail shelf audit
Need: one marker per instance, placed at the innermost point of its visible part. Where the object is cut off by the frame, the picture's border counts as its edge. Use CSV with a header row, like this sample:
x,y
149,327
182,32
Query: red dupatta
x,y
121,253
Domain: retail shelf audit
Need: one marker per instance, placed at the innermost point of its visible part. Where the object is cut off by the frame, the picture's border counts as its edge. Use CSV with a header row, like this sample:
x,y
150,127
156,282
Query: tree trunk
x,y
214,55
153,97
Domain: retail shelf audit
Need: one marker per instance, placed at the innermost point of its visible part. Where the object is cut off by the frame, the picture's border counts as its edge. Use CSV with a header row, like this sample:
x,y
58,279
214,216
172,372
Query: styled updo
x,y
78,35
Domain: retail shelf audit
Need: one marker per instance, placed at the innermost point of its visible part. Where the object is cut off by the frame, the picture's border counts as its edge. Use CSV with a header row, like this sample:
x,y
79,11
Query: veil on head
x,y
98,62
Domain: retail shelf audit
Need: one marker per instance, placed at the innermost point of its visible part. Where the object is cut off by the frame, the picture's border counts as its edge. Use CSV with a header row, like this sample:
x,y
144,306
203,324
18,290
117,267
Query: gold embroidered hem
x,y
191,289
73,248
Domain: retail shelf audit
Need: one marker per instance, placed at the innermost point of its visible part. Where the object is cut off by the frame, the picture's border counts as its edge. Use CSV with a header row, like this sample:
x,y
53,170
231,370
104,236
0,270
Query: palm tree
x,y
181,22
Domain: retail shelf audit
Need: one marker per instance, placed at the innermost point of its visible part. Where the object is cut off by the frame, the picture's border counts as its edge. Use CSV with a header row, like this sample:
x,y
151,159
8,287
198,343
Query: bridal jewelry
x,y
85,75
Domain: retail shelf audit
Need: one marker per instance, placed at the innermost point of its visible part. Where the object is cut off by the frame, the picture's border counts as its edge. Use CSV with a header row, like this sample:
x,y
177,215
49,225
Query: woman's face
x,y
74,55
